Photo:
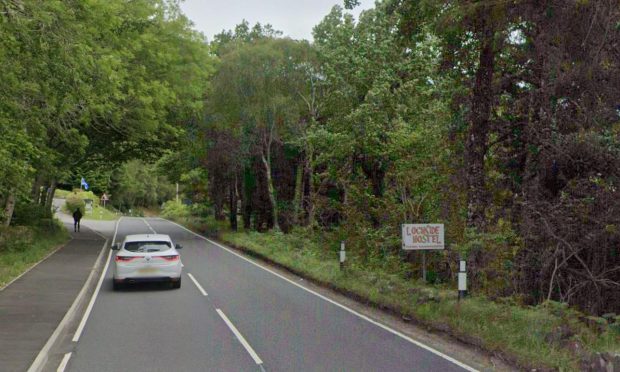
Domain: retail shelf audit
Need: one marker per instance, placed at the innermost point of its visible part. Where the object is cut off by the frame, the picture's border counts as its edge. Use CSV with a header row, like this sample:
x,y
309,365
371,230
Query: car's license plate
x,y
147,270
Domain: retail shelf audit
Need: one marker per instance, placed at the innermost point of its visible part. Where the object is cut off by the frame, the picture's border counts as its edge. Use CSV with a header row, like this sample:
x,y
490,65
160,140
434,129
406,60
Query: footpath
x,y
32,307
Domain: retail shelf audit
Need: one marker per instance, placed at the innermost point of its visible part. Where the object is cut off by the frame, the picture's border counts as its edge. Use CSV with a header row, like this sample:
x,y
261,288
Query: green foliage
x,y
14,239
98,84
175,210
27,214
21,247
74,202
138,184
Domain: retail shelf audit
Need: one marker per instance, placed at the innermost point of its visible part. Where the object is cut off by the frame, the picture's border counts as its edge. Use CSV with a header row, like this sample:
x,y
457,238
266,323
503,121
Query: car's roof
x,y
147,238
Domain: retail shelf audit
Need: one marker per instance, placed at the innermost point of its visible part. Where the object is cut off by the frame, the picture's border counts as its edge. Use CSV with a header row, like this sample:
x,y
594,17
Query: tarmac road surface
x,y
232,315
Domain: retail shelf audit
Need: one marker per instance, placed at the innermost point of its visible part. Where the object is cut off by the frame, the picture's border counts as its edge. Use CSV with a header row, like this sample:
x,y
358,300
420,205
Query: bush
x,y
28,214
174,209
15,238
73,202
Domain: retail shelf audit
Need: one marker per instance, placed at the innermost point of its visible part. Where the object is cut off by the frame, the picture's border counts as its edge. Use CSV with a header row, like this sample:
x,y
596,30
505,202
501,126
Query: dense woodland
x,y
500,119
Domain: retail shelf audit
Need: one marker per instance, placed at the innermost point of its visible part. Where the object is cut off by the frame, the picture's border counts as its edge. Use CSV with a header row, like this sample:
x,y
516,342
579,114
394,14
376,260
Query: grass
x,y
22,247
100,213
524,335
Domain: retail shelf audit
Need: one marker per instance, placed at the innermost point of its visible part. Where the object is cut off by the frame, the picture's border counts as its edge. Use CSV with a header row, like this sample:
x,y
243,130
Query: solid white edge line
x,y
383,326
64,362
240,337
80,328
197,284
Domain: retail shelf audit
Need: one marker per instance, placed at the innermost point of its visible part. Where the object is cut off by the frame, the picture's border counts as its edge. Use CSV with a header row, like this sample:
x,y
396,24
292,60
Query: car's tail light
x,y
171,258
126,258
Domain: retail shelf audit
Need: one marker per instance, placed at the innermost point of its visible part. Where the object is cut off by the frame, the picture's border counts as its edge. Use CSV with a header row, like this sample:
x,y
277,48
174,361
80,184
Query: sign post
x,y
104,199
423,237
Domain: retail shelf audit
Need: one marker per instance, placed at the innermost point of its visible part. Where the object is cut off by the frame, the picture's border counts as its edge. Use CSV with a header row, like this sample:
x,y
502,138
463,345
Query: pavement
x,y
32,307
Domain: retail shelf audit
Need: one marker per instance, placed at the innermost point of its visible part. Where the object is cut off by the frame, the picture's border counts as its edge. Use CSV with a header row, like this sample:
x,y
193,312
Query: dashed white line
x,y
80,328
64,362
240,337
393,331
204,293
149,225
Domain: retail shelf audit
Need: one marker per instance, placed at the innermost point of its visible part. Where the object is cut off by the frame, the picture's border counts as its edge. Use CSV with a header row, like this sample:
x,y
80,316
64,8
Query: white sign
x,y
423,236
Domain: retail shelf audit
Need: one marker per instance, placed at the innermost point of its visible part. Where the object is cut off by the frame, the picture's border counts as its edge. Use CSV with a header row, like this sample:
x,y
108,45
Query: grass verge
x,y
100,213
549,336
21,247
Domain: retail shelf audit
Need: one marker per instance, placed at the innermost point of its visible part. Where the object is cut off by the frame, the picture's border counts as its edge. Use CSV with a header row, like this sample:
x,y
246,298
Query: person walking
x,y
77,216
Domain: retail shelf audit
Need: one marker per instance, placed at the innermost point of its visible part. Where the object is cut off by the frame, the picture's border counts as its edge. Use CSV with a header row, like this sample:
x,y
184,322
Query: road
x,y
233,315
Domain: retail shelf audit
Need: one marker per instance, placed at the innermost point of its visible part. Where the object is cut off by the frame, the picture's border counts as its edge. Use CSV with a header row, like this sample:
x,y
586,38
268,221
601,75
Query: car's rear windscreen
x,y
147,246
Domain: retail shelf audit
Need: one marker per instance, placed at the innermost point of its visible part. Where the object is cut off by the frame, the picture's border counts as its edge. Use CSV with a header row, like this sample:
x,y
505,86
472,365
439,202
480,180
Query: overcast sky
x,y
295,18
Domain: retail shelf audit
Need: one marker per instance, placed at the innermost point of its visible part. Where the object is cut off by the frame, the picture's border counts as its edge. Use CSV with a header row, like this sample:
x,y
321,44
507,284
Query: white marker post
x,y
343,255
462,279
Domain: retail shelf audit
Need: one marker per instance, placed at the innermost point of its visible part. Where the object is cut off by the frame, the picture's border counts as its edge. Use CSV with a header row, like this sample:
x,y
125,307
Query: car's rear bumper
x,y
156,272
146,279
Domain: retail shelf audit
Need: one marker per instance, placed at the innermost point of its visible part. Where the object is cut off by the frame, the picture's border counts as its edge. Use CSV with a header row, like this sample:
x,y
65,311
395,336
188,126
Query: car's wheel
x,y
117,286
177,284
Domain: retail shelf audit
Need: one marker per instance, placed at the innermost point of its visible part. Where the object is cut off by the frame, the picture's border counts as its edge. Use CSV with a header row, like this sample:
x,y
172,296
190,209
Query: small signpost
x,y
104,199
423,237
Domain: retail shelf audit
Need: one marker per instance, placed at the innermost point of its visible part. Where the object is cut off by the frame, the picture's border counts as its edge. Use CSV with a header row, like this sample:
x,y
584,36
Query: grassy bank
x,y
547,336
21,247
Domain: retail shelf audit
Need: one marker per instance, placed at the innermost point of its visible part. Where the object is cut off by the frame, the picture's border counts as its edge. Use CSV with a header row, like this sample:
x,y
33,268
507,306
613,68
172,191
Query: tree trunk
x,y
232,197
477,136
50,195
306,200
218,205
35,194
272,192
248,188
299,184
8,209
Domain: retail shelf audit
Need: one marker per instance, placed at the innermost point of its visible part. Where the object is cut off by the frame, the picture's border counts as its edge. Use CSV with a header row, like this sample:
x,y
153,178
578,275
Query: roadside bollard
x,y
343,255
462,279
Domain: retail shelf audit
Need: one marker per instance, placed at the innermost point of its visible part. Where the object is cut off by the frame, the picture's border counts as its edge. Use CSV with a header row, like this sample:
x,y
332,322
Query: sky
x,y
295,18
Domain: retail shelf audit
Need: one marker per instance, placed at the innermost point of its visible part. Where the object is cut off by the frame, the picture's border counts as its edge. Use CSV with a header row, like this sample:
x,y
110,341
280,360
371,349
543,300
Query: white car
x,y
146,258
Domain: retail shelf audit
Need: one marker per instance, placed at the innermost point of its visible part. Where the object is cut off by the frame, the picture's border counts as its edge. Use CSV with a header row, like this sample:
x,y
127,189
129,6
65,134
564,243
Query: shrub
x,y
73,202
174,209
28,214
15,238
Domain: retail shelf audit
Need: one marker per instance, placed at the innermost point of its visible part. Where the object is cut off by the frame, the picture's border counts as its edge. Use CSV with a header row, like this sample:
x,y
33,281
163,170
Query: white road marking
x,y
149,225
80,328
64,362
240,337
197,284
116,229
43,355
383,326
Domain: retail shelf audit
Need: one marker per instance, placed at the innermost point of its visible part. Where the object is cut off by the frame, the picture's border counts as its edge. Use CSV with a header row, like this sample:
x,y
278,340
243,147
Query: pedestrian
x,y
77,216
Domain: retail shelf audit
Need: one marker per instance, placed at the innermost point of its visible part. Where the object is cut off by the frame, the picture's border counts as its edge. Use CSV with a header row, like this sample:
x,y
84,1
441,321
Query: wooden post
x,y
424,266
